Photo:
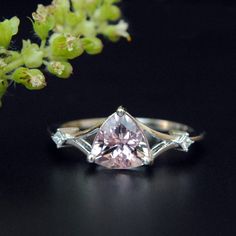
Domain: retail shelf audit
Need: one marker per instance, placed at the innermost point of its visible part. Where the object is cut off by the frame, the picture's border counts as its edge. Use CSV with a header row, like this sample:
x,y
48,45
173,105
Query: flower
x,y
61,69
43,20
92,45
41,14
32,55
36,81
66,29
65,46
8,28
32,79
115,32
121,29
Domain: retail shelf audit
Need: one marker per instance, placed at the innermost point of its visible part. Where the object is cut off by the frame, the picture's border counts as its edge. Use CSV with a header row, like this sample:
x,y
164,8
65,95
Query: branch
x,y
66,29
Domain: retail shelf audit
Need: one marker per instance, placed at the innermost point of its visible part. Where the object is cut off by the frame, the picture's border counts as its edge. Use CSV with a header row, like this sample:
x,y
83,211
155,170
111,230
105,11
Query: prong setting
x,y
148,162
91,158
60,138
120,111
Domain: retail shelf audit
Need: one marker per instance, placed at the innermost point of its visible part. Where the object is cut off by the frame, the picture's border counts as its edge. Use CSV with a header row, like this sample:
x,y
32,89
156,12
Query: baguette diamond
x,y
183,140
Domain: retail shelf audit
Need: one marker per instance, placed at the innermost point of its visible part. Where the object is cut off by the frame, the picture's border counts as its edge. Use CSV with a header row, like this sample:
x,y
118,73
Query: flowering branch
x,y
66,29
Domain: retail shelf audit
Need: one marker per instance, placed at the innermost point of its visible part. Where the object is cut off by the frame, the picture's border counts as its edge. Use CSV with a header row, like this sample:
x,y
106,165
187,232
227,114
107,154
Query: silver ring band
x,y
159,125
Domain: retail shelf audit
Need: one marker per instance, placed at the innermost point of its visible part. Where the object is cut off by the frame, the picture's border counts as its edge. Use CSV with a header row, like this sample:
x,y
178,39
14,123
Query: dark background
x,y
181,65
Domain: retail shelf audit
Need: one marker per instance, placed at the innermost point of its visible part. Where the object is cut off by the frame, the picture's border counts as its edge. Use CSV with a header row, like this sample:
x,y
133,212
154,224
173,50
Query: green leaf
x,y
8,28
32,55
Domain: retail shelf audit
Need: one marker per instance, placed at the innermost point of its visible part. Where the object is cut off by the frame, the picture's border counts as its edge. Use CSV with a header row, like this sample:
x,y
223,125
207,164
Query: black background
x,y
181,65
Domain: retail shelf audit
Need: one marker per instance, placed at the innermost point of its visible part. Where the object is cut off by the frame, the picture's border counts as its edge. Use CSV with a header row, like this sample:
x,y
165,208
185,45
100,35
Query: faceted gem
x,y
120,143
182,139
62,135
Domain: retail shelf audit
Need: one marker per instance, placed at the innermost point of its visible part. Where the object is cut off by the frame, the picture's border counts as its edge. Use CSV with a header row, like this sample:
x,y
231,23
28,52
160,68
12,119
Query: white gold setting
x,y
122,141
60,138
183,140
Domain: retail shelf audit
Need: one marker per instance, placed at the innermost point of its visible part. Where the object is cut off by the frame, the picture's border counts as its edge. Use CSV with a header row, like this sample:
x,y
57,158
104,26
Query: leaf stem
x,y
43,43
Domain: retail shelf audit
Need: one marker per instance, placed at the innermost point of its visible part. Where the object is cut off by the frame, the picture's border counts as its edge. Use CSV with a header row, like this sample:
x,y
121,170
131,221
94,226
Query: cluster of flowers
x,y
67,29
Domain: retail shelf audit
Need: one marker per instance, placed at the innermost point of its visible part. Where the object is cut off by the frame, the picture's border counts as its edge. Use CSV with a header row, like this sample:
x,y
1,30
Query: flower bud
x,y
42,29
3,63
61,9
61,69
11,56
3,52
41,14
65,46
114,13
64,4
32,55
87,28
74,18
77,4
107,12
88,5
8,28
115,32
92,45
43,21
32,79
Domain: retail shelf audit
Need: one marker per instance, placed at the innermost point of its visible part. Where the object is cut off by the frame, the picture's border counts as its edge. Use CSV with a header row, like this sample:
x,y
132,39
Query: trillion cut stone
x,y
121,144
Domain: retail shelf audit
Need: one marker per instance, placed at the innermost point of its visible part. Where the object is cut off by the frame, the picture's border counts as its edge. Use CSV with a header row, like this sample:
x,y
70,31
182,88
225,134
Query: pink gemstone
x,y
120,143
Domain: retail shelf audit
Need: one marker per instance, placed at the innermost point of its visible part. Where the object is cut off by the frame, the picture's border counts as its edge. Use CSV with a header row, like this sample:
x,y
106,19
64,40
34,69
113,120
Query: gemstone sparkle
x,y
121,144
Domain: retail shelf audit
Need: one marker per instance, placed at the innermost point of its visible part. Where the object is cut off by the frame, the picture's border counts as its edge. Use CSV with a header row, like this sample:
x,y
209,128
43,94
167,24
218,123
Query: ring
x,y
122,141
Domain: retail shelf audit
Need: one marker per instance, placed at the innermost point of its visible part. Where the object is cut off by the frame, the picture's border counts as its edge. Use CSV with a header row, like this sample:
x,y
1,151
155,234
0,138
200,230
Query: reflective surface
x,y
121,144
180,66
